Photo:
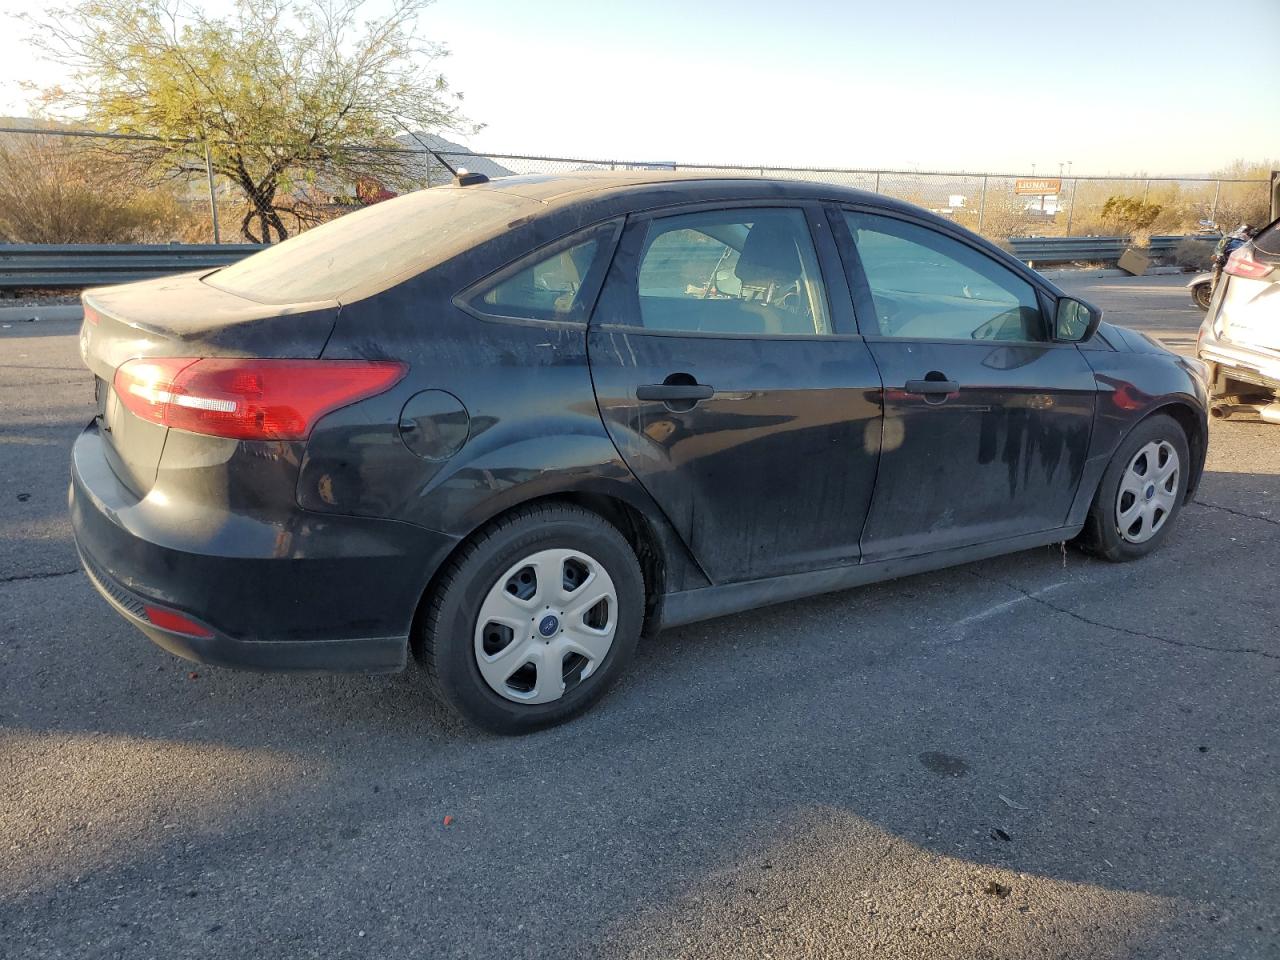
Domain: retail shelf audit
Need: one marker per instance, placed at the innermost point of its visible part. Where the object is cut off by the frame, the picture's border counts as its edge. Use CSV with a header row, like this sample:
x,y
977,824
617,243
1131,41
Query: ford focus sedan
x,y
511,426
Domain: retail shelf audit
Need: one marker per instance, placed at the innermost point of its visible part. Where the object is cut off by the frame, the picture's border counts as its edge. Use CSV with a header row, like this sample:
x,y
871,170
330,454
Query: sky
x,y
1111,86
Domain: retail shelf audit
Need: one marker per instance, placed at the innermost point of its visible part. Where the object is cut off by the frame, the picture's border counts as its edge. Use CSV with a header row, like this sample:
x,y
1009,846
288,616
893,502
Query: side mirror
x,y
1075,321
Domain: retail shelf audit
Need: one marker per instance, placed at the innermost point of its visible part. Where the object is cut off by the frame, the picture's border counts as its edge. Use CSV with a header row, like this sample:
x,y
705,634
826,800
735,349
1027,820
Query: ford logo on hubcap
x,y
1151,491
548,625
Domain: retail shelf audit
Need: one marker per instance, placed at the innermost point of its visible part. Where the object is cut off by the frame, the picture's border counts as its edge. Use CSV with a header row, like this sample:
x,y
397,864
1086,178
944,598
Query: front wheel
x,y
1141,492
534,618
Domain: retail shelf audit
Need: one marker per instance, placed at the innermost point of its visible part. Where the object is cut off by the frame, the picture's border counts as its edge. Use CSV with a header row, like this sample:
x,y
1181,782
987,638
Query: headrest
x,y
768,256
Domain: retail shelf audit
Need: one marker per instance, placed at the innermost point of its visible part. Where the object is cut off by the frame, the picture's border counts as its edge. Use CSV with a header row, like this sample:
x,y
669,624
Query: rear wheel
x,y
1202,293
534,618
1141,492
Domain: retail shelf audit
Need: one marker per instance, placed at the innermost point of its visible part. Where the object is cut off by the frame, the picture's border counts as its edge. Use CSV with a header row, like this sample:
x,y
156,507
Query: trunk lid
x,y
181,317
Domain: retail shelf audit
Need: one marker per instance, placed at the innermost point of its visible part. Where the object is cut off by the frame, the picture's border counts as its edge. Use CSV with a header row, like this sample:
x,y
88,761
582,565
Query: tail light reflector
x,y
248,399
1242,264
171,620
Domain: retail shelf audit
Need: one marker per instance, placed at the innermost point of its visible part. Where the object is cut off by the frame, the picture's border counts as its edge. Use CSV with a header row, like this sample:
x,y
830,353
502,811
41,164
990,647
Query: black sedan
x,y
510,426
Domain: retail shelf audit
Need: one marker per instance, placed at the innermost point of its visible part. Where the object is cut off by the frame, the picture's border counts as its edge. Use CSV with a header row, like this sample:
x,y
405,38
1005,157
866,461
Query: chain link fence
x,y
65,186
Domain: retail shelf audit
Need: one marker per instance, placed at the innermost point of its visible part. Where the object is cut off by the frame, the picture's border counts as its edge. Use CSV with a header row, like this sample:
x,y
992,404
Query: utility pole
x,y
982,204
213,196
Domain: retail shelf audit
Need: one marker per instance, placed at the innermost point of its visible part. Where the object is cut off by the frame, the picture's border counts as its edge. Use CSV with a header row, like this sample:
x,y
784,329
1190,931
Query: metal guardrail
x,y
1071,249
92,264
89,265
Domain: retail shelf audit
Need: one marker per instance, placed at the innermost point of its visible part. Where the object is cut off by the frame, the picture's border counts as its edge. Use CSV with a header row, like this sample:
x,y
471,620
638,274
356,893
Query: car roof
x,y
557,189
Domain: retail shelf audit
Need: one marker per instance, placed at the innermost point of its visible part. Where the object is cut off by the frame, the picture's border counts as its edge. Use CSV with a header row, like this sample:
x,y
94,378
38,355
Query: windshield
x,y
372,248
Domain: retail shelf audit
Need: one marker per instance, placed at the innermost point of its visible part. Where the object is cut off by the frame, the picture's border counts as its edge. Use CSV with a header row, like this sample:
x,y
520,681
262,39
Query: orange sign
x,y
1037,186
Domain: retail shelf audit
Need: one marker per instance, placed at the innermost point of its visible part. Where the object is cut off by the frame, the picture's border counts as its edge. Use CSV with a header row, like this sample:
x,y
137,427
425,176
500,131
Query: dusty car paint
x,y
810,470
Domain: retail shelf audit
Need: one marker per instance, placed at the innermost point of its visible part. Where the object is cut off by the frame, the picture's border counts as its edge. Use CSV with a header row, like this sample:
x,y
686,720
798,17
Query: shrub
x,y
56,190
1130,214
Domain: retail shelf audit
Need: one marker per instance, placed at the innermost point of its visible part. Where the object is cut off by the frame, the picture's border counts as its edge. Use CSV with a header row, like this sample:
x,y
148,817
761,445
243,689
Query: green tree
x,y
280,92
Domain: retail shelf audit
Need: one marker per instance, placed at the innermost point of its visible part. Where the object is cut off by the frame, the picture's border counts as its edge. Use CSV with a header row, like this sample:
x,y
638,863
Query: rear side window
x,y
557,281
1268,239
731,271
548,289
928,286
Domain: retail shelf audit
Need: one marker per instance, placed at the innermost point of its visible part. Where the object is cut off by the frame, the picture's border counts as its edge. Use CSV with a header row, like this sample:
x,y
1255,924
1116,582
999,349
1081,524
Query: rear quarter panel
x,y
534,429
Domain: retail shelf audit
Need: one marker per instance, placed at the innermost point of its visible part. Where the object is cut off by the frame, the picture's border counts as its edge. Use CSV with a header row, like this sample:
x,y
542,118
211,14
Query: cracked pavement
x,y
1041,755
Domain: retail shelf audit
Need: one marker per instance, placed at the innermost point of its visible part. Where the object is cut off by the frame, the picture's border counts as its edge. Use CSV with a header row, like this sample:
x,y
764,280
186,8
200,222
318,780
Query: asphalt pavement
x,y
1040,755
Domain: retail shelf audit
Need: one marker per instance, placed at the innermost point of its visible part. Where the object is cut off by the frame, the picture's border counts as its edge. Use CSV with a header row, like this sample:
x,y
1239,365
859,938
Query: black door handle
x,y
677,392
932,387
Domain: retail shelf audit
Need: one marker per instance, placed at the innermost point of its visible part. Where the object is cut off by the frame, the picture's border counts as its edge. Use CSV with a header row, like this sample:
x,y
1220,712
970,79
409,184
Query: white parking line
x,y
962,626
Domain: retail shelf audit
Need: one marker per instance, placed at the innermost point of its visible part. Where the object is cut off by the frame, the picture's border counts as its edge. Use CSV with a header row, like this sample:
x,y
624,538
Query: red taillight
x,y
248,399
91,315
1242,264
167,619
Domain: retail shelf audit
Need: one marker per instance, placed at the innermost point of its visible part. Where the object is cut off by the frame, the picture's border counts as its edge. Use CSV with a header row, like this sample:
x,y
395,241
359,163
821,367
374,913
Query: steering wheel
x,y
791,299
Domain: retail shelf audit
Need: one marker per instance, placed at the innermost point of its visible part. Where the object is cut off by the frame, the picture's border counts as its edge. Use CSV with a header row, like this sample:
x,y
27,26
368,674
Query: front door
x,y
732,382
986,420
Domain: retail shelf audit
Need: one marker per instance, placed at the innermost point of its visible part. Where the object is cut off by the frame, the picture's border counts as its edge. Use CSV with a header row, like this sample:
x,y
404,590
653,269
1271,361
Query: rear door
x,y
732,381
987,421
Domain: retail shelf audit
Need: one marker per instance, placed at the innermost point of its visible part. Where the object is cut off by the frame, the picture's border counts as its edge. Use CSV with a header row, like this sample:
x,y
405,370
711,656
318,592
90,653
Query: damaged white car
x,y
1240,337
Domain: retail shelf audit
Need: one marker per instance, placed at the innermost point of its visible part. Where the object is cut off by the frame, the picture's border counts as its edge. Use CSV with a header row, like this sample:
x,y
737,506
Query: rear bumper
x,y
1239,363
278,590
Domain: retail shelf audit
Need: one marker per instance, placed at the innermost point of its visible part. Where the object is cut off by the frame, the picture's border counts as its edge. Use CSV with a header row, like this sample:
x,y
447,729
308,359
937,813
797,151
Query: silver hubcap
x,y
546,625
1148,490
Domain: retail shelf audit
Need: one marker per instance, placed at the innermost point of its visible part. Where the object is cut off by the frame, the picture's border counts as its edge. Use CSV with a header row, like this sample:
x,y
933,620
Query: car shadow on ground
x,y
1040,750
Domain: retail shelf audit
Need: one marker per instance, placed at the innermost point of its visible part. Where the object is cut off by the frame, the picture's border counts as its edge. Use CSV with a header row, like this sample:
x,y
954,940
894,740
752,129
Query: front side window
x,y
732,271
550,288
926,285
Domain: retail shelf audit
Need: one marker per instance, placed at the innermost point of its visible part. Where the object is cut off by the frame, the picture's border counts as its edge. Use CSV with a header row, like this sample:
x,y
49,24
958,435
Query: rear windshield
x,y
1268,239
372,248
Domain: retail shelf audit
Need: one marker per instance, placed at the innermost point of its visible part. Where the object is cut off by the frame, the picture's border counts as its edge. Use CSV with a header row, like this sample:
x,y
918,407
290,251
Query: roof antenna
x,y
443,162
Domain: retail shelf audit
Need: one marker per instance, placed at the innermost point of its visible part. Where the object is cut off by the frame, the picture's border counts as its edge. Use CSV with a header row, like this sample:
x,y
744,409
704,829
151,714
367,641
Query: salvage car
x,y
510,426
1239,339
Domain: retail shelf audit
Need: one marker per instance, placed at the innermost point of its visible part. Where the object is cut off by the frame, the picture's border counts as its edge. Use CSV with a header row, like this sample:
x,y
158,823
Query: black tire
x,y
448,629
1202,293
1101,535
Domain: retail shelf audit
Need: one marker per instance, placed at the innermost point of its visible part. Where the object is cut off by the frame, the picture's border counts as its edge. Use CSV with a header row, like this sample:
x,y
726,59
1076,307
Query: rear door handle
x,y
932,387
668,392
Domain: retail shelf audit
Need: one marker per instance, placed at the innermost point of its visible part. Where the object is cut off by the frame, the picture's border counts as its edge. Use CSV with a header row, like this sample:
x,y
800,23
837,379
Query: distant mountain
x,y
428,168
